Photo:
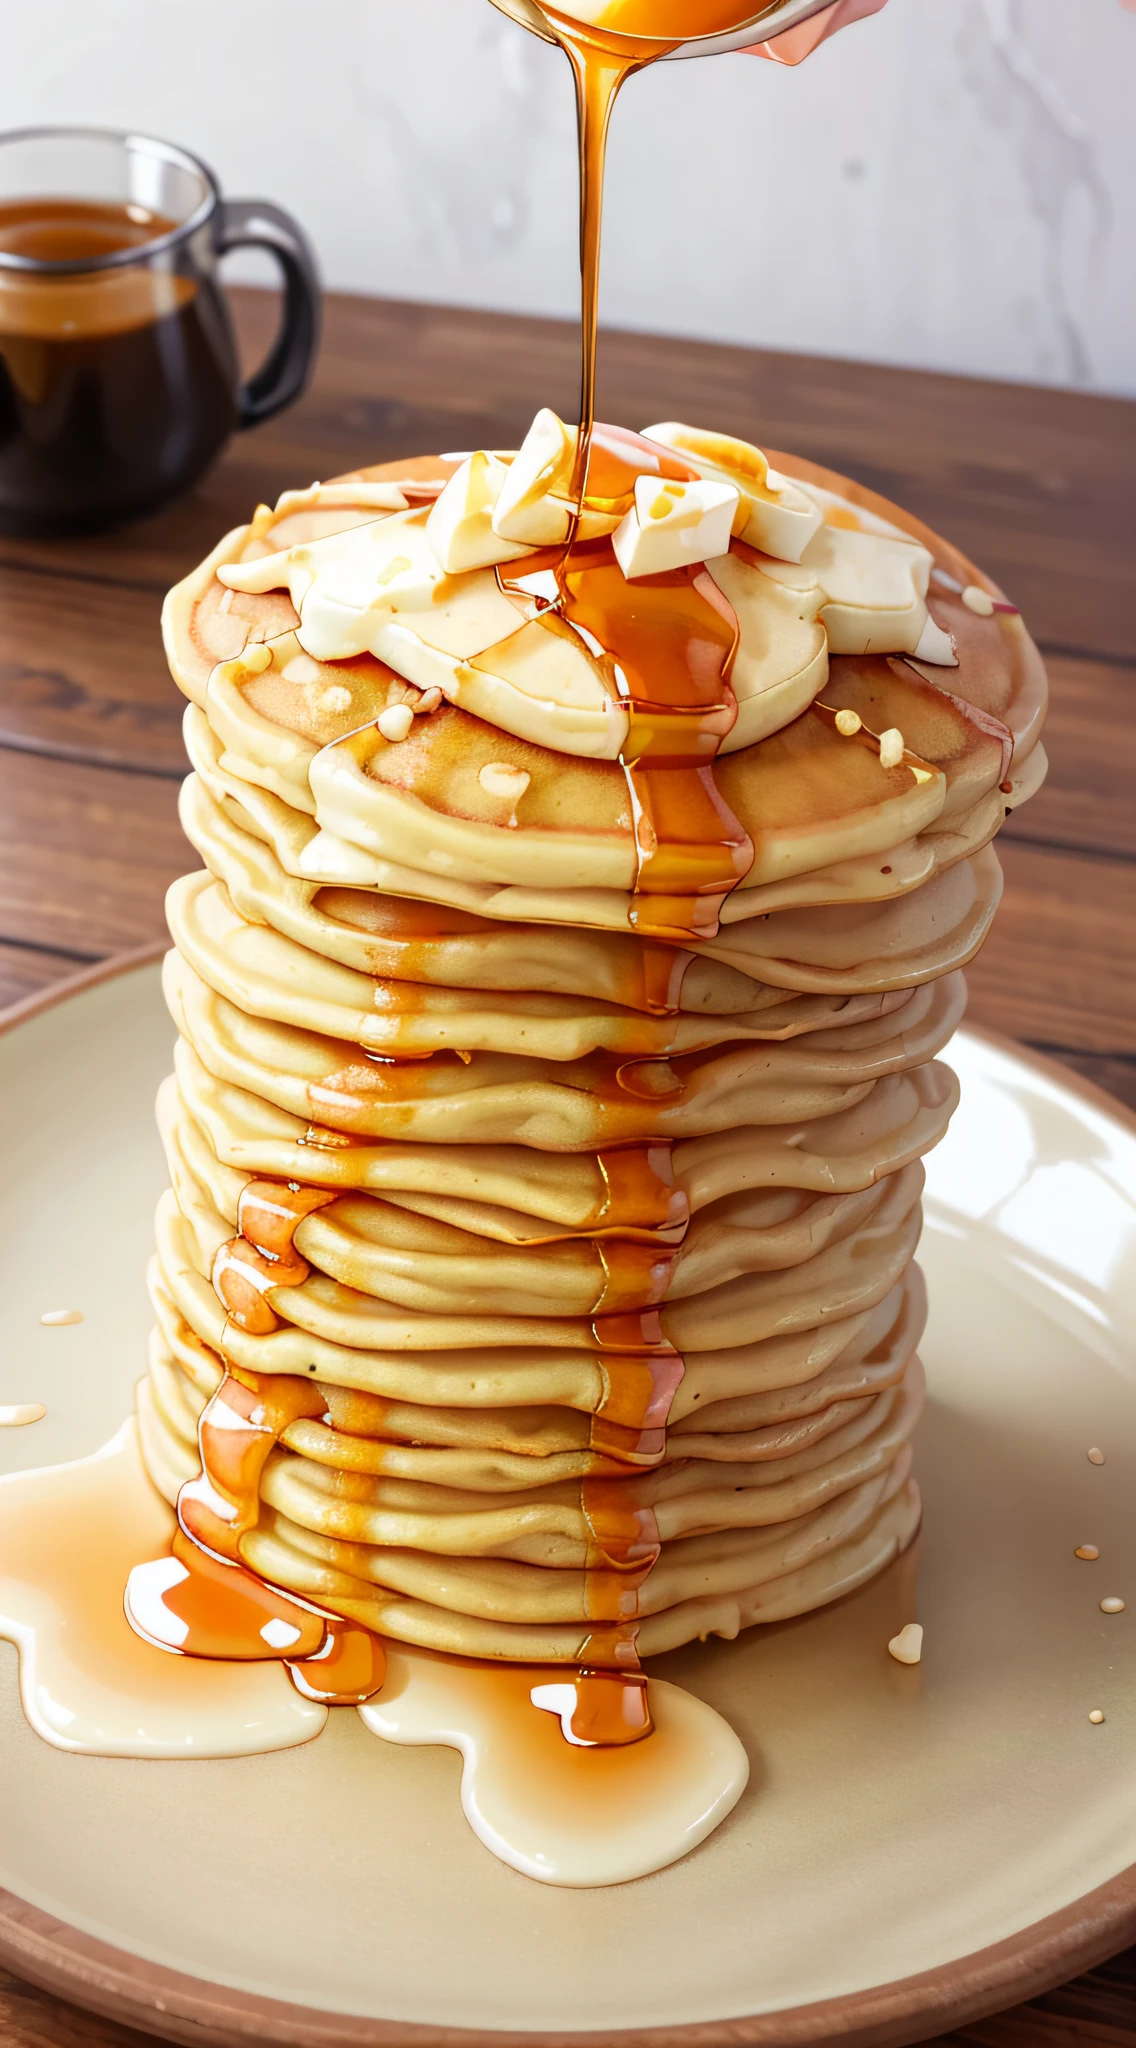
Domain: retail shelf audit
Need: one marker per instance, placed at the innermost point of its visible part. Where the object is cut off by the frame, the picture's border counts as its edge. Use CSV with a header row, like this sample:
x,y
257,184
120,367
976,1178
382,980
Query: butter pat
x,y
774,513
532,505
360,496
875,593
674,525
536,504
460,526
386,561
380,589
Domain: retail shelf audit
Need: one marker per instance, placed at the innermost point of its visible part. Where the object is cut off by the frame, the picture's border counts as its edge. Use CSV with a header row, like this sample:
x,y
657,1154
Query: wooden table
x,y
1036,485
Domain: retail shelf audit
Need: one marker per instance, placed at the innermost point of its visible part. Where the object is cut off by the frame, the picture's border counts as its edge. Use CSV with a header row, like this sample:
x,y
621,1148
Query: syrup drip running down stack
x,y
669,657
558,1012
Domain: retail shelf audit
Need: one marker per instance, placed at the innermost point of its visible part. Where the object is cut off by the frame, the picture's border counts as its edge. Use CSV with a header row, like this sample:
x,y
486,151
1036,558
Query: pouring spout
x,y
784,30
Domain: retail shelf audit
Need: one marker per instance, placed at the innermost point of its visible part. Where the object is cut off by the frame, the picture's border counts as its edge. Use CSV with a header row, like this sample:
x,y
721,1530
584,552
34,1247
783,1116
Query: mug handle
x,y
256,224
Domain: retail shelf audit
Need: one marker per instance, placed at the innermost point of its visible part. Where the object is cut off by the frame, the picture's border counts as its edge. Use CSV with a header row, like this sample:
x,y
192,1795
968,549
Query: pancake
x,y
260,970
916,926
552,1104
559,1006
511,1194
396,1256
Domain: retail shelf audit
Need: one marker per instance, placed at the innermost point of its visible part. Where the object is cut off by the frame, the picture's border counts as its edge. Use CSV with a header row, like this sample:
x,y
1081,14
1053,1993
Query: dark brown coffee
x,y
117,386
76,230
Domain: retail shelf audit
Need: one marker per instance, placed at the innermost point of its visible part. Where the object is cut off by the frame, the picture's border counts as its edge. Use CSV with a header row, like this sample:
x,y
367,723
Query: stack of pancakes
x,y
602,1287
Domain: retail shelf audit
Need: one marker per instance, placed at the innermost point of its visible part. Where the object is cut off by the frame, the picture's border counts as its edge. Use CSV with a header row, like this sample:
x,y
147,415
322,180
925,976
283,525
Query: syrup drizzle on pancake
x,y
640,1192
219,1608
641,1372
263,1254
668,643
409,936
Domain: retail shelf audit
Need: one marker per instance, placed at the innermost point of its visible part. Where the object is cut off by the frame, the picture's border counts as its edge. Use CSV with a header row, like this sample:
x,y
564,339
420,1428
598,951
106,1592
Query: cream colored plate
x,y
898,1820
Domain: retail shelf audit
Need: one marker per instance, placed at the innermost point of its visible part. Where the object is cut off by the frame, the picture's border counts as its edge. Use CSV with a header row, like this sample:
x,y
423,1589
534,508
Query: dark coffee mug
x,y
118,369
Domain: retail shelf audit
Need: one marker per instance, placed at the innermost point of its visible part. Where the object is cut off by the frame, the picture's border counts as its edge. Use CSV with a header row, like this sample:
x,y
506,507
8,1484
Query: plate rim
x,y
134,1991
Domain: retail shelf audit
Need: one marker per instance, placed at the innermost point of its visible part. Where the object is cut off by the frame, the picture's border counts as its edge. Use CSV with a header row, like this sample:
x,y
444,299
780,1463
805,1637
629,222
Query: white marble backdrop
x,y
950,184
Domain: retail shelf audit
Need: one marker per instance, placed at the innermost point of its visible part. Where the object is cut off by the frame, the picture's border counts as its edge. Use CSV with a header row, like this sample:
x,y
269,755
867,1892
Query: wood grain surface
x,y
1036,485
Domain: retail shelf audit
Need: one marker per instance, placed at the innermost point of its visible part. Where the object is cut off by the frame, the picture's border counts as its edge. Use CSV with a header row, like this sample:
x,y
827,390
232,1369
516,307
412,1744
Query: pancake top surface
x,y
509,727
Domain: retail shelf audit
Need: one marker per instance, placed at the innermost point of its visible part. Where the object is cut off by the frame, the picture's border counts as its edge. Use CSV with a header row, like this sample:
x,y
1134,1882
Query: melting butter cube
x,y
533,504
874,588
358,496
380,589
674,525
387,562
936,645
460,526
774,513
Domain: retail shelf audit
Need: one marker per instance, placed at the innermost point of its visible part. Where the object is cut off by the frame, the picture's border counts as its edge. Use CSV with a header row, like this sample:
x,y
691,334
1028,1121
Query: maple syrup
x,y
536,1787
641,1372
263,1254
643,974
570,1794
668,646
641,1194
202,1600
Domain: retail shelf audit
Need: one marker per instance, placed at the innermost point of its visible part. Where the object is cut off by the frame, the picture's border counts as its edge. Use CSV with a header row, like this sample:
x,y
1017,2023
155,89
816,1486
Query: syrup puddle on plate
x,y
69,1538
